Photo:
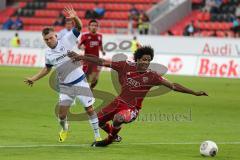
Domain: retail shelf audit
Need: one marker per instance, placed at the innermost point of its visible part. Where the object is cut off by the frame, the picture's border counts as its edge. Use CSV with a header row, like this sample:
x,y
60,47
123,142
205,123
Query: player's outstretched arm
x,y
179,88
43,72
73,15
98,61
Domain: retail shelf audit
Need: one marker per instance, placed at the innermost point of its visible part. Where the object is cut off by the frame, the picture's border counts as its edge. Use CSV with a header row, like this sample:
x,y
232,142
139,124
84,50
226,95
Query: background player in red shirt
x,y
135,80
91,43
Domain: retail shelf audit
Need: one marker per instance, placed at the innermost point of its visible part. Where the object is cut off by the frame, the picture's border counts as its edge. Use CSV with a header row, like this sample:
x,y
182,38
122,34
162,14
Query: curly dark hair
x,y
144,50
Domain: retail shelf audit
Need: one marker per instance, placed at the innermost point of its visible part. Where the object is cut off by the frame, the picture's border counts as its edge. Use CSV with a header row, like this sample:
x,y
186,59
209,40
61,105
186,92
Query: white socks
x,y
94,123
63,123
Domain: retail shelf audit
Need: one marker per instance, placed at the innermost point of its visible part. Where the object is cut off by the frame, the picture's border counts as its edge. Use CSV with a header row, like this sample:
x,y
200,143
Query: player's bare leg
x,y
118,120
62,115
116,127
93,79
93,119
93,83
106,127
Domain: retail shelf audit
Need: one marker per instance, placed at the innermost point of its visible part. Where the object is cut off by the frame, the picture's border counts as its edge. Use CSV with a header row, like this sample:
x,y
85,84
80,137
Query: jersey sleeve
x,y
71,36
60,34
75,32
157,79
118,66
48,62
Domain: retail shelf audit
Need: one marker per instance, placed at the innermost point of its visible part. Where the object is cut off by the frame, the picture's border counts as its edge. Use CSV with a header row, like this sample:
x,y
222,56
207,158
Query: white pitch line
x,y
125,144
43,145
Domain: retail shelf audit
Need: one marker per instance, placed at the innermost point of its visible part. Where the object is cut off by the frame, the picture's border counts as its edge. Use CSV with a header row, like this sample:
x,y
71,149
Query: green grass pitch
x,y
29,128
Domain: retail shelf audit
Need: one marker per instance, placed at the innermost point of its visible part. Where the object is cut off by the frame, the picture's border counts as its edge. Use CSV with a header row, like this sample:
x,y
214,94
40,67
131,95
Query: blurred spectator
x,y
60,20
140,24
134,44
15,41
9,24
61,15
208,5
133,17
235,25
143,23
216,6
18,24
237,11
130,25
189,30
89,14
133,12
96,13
68,28
146,23
99,11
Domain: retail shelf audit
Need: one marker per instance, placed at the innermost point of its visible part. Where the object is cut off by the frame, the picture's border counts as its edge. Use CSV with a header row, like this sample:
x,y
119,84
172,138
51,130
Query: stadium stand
x,y
221,21
216,22
37,14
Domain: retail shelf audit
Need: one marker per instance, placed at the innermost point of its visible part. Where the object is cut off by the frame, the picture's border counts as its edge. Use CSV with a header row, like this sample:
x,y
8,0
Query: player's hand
x,y
29,81
201,93
139,45
74,56
70,11
82,47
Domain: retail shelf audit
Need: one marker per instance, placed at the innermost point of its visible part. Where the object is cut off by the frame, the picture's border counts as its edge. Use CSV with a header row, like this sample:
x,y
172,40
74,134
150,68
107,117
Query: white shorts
x,y
80,90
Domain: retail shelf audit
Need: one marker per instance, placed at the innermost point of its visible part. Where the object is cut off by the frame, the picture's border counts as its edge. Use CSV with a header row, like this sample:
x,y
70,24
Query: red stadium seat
x,y
118,7
220,34
38,21
207,33
143,7
177,32
46,13
116,15
111,1
33,28
40,27
203,16
108,31
226,26
120,24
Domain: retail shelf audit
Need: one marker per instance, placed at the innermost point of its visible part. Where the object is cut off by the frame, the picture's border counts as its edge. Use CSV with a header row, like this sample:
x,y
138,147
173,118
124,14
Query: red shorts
x,y
118,107
90,68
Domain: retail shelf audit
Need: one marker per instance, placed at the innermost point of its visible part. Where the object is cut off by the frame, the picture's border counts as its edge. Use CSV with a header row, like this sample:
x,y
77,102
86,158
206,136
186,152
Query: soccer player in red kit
x,y
135,80
91,43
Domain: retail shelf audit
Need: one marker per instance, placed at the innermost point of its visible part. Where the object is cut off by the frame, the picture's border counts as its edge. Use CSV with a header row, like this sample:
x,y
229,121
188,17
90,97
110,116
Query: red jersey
x,y
134,85
92,43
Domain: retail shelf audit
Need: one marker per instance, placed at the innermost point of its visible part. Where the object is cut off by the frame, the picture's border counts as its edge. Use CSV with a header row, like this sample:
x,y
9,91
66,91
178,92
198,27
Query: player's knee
x,y
63,110
90,111
62,115
94,83
118,119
